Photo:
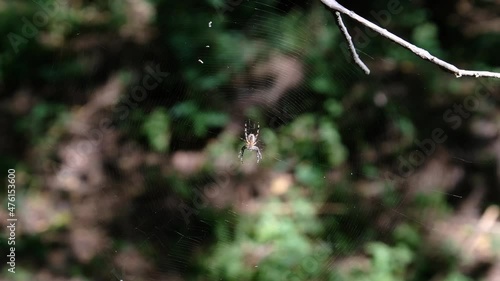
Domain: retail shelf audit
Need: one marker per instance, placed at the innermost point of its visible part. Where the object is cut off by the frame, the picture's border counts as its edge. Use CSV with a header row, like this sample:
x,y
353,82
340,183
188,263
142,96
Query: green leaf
x,y
156,128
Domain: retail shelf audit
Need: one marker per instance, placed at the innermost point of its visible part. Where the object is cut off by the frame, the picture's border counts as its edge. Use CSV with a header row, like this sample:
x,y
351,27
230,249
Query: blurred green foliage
x,y
329,133
156,128
274,244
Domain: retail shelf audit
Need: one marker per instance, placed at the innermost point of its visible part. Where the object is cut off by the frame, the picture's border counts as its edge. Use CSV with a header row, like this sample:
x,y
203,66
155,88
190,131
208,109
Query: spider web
x,y
275,87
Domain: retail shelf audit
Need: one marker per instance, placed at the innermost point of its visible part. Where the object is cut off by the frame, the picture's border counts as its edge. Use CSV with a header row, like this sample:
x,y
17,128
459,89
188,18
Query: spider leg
x,y
258,130
241,153
246,134
259,155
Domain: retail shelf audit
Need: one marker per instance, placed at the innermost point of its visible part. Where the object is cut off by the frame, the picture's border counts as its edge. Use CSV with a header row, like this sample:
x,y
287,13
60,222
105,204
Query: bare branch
x,y
354,54
416,50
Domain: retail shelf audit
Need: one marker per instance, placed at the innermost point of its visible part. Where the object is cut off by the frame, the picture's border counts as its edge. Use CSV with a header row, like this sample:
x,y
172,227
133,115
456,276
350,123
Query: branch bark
x,y
424,54
352,49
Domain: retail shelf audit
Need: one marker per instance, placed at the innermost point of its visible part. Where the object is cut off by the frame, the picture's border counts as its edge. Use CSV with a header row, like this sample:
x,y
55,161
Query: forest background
x,y
123,121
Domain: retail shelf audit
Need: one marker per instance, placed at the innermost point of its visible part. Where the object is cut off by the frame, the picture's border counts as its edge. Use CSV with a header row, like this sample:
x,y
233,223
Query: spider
x,y
251,144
